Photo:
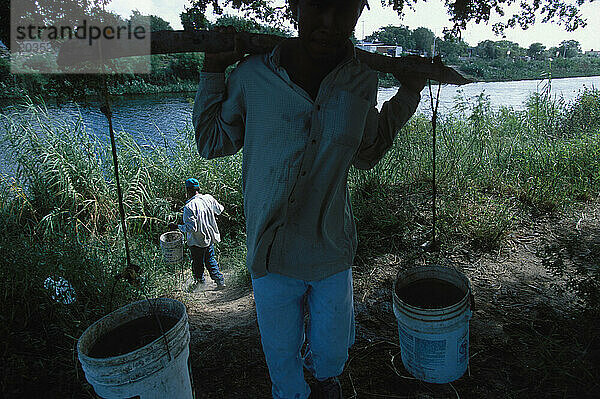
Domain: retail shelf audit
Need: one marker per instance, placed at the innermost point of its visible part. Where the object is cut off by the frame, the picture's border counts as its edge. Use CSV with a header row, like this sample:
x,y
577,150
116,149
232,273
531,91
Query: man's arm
x,y
219,109
215,206
190,224
218,115
381,127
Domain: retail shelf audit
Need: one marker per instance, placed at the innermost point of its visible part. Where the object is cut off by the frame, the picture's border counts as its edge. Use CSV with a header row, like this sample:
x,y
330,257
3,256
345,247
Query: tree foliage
x,y
247,25
68,13
569,48
451,47
492,50
537,51
193,19
396,35
423,38
563,12
156,22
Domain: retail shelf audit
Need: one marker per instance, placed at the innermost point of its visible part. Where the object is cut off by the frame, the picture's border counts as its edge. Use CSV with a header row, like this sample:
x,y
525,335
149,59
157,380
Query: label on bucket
x,y
424,352
438,358
430,353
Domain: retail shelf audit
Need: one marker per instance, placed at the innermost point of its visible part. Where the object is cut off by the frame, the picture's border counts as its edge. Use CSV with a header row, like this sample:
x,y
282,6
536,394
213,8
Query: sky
x,y
431,14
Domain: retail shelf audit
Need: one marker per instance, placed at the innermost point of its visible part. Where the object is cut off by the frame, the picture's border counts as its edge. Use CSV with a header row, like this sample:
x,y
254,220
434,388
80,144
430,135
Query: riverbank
x,y
173,75
137,87
132,87
170,73
506,69
500,174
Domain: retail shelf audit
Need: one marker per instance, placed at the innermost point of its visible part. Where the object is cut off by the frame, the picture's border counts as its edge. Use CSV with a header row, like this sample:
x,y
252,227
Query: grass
x,y
61,219
169,73
495,167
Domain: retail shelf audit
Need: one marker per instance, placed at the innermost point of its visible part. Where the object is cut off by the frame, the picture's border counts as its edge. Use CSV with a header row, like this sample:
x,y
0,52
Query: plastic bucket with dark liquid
x,y
125,355
433,307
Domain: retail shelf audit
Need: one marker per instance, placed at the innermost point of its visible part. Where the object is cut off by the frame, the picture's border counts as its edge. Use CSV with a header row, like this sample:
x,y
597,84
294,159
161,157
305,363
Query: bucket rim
x,y
417,310
164,235
177,326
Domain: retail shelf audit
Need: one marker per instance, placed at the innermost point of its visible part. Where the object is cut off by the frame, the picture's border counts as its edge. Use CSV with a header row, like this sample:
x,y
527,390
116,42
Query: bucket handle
x,y
471,296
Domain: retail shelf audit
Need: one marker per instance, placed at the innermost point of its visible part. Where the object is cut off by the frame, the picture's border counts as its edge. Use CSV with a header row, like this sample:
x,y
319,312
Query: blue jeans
x,y
280,305
205,257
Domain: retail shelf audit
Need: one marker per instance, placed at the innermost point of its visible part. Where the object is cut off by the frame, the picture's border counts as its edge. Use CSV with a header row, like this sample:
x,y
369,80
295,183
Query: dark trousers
x,y
205,257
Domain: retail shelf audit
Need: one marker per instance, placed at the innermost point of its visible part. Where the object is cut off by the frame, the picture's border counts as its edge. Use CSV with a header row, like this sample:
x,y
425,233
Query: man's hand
x,y
413,83
218,62
173,227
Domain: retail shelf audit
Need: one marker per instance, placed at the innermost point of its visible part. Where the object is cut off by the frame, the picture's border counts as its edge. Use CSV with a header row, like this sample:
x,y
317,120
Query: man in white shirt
x,y
200,227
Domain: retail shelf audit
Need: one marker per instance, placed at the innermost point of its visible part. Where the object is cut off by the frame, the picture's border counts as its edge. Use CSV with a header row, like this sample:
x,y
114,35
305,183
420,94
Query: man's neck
x,y
318,66
305,70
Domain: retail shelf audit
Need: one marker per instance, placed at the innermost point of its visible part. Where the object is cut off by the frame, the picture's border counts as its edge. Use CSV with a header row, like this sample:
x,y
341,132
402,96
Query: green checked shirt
x,y
297,153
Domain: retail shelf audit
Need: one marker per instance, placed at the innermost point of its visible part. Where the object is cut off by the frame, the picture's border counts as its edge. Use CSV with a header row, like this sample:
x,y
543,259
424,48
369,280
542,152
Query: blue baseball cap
x,y
192,183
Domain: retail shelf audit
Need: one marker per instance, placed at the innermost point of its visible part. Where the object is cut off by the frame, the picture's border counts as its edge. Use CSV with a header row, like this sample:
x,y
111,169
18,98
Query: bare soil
x,y
528,335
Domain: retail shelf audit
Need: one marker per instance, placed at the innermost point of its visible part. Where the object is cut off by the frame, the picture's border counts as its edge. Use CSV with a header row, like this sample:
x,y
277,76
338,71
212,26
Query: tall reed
x,y
493,167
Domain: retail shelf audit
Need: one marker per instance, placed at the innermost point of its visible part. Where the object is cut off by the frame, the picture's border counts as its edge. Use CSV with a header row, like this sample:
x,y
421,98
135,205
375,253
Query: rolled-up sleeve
x,y
219,114
381,127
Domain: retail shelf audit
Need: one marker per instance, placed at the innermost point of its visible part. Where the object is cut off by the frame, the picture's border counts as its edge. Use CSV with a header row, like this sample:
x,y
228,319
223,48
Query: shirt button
x,y
314,141
292,200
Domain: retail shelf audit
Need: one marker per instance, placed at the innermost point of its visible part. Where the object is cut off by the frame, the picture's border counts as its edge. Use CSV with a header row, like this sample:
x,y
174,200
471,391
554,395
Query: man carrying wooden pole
x,y
304,113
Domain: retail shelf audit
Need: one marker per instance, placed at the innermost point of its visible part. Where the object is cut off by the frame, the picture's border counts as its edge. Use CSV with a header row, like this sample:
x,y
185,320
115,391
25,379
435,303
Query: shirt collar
x,y
191,198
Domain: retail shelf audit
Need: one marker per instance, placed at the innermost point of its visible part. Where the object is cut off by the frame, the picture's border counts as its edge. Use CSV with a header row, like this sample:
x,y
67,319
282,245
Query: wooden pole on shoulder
x,y
74,52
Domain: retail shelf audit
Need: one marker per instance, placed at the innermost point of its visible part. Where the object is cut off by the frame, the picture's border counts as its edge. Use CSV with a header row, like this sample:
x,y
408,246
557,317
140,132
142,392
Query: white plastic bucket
x,y
171,244
150,372
434,340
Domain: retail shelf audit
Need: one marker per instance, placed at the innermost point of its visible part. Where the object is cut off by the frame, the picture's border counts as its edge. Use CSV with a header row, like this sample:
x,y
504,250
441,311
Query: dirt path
x,y
226,354
526,338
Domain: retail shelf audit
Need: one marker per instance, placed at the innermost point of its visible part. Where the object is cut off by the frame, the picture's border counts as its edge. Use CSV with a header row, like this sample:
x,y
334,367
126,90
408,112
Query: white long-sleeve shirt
x,y
199,221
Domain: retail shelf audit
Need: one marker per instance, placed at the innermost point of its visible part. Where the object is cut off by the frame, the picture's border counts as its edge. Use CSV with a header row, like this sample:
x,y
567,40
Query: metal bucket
x,y
434,337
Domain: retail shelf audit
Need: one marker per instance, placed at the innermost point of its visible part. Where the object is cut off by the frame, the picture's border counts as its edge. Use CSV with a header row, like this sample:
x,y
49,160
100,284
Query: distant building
x,y
392,51
592,53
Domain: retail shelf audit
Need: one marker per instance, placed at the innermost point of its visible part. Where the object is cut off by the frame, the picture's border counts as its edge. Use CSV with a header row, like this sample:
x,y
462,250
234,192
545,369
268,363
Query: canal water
x,y
155,118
